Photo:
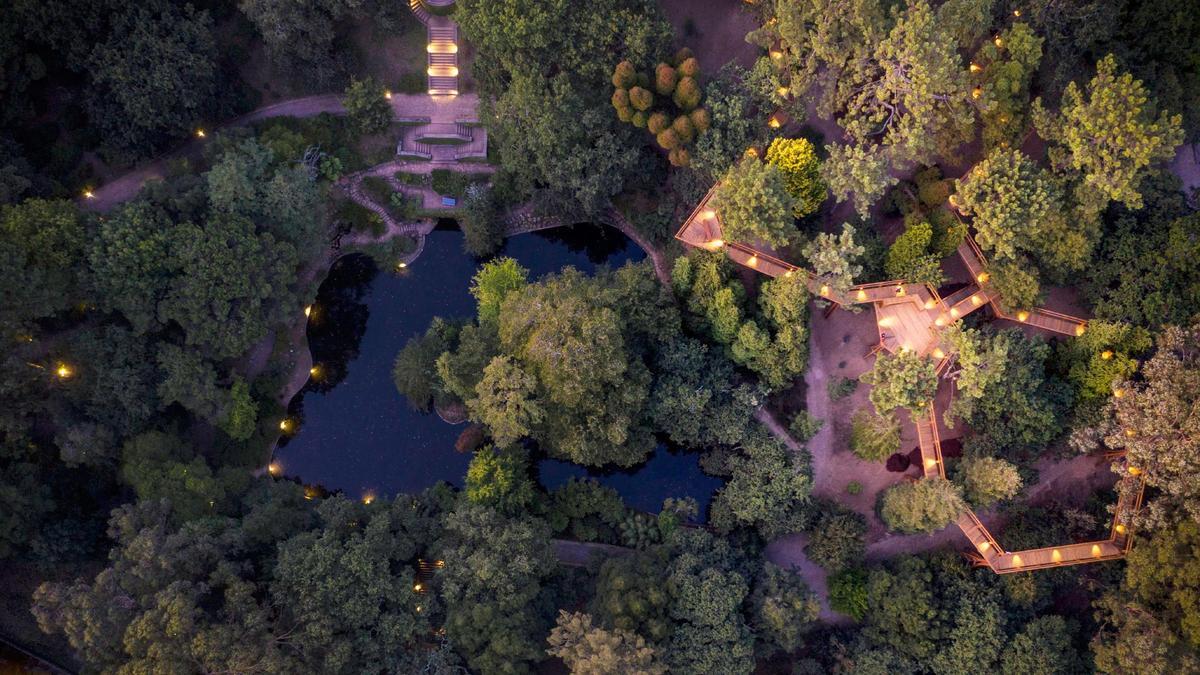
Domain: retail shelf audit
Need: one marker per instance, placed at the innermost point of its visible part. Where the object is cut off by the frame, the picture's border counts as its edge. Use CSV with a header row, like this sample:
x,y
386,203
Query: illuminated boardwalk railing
x,y
908,316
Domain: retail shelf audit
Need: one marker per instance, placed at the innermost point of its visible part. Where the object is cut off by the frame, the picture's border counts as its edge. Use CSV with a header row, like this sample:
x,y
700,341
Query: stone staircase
x,y
429,142
441,49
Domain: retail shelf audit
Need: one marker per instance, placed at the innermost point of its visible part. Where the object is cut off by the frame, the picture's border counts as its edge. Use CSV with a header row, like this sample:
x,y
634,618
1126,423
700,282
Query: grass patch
x,y
417,179
359,219
454,184
442,141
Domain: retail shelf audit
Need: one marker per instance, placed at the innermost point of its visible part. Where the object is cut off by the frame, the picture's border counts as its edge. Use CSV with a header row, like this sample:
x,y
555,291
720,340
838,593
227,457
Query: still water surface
x,y
358,434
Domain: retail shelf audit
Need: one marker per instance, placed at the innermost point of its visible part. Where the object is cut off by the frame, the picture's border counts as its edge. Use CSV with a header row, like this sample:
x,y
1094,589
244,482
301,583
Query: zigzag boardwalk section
x,y
910,318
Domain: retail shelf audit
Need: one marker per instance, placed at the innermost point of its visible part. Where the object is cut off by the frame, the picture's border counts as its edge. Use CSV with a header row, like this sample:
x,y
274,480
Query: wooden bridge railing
x,y
702,229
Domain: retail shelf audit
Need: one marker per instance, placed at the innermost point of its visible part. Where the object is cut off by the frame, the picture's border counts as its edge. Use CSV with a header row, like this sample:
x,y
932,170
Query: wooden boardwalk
x,y
910,317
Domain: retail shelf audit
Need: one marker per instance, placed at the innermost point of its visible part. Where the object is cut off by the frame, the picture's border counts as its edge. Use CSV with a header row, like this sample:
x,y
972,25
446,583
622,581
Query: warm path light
x,y
1134,471
315,371
88,194
776,54
938,353
387,93
824,290
274,468
975,68
200,133
885,321
862,295
977,92
1106,354
1120,528
983,277
368,497
975,300
1055,556
285,425
63,371
1118,393
1079,330
930,304
1096,550
999,41
1017,560
953,313
308,310
753,261
1022,316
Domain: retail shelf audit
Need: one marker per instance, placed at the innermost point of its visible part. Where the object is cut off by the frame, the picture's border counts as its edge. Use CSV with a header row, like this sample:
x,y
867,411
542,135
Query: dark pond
x,y
357,434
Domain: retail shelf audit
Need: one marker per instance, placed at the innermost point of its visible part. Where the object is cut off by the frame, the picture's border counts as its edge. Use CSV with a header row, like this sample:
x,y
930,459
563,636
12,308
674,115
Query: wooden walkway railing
x,y
703,229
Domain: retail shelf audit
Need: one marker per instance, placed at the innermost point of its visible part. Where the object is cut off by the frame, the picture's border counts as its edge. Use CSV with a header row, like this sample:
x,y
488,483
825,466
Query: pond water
x,y
357,434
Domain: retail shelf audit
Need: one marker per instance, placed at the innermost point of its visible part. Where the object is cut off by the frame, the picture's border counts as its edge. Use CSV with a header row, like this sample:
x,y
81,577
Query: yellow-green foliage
x,y
797,160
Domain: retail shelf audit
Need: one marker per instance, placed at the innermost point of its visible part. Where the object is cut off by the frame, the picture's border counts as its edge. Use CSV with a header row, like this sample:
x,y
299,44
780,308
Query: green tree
x,y
367,106
853,170
874,437
926,505
979,363
1020,411
415,370
834,259
348,586
732,129
755,205
910,257
902,380
160,466
301,35
591,650
987,480
483,230
912,94
767,489
191,381
496,613
500,479
836,539
168,598
41,248
1018,208
1158,422
1100,358
492,284
797,161
575,335
1150,624
848,592
1043,647
154,80
242,414
631,595
1109,134
505,401
783,607
707,589
1006,70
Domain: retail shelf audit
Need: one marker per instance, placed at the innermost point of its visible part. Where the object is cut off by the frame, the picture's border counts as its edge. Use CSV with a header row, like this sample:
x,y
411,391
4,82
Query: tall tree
x,y
834,259
902,380
588,649
754,204
367,106
926,505
41,248
1158,423
496,613
154,79
797,160
1109,134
